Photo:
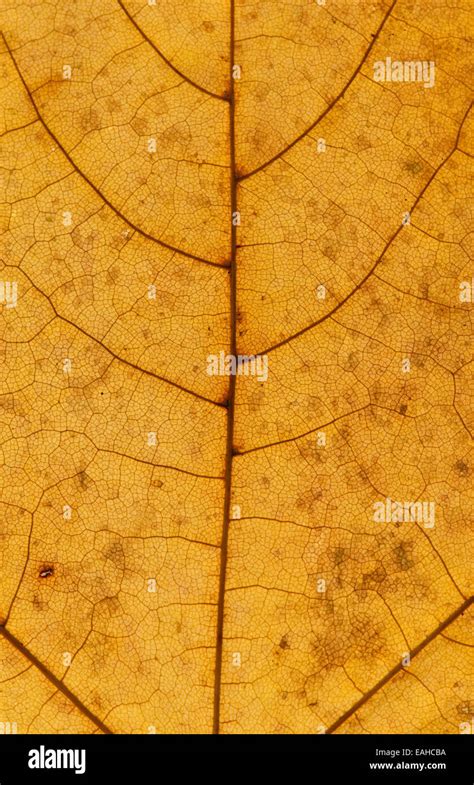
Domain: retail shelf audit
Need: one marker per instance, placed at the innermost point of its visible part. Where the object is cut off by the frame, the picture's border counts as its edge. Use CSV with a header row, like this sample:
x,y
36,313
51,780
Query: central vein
x,y
232,380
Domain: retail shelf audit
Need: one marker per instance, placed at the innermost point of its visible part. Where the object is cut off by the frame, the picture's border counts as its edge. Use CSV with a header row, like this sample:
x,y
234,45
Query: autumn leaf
x,y
236,400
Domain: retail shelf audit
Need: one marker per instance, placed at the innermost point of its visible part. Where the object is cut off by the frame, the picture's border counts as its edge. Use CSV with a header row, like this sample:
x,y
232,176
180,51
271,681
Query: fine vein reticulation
x,y
234,454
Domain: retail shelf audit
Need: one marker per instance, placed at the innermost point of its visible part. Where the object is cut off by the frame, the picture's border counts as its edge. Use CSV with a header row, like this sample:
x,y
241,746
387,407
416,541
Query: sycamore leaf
x,y
236,400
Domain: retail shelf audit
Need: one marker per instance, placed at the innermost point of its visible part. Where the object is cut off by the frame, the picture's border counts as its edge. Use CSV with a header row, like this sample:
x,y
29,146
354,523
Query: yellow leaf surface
x,y
185,551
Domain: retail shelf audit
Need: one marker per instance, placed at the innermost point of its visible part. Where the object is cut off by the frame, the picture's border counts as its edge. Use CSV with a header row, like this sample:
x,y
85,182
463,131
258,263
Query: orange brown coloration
x,y
216,565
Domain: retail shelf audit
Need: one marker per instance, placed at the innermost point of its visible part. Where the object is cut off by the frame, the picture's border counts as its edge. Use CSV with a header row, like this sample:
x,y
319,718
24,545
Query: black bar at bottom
x,y
154,758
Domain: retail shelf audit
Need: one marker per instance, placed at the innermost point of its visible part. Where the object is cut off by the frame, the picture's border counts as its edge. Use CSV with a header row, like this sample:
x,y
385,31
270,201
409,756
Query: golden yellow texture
x,y
183,552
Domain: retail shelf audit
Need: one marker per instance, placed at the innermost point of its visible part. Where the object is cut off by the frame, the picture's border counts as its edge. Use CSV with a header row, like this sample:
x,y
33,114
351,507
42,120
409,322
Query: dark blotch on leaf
x,y
413,166
403,556
462,468
339,555
370,579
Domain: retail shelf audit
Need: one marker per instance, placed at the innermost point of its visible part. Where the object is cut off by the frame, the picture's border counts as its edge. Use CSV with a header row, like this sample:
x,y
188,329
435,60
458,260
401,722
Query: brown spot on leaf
x,y
340,554
462,468
402,553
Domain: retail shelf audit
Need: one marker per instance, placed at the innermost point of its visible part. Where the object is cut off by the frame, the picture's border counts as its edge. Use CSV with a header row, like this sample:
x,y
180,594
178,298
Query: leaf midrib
x,y
229,453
